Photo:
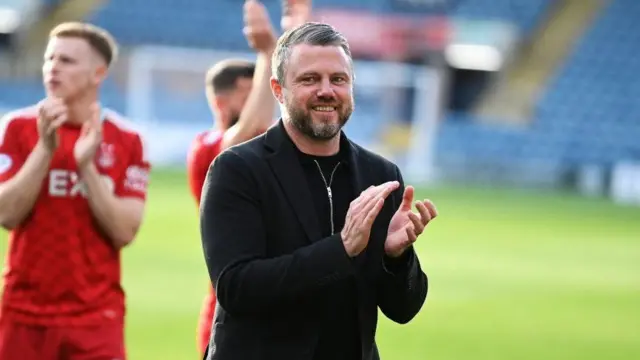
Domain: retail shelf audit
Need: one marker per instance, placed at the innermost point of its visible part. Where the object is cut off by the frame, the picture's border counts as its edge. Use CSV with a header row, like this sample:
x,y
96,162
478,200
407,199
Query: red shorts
x,y
27,342
206,319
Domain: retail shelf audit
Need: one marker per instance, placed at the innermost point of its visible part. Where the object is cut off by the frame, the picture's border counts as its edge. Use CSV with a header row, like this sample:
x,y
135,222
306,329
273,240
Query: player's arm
x,y
235,247
402,285
18,193
21,175
257,113
119,212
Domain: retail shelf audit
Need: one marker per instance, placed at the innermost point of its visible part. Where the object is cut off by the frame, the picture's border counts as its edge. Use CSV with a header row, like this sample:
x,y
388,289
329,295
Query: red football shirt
x,y
60,269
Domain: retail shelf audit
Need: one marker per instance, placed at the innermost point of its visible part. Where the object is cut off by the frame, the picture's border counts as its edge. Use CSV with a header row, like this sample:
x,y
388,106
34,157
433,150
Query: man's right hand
x,y
361,215
52,112
258,28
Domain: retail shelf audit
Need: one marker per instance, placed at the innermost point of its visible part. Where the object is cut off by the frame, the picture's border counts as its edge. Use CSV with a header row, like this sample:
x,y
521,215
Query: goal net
x,y
396,105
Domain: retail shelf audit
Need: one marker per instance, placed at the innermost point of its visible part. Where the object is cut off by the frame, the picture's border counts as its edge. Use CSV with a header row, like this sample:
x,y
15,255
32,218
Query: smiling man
x,y
73,183
305,233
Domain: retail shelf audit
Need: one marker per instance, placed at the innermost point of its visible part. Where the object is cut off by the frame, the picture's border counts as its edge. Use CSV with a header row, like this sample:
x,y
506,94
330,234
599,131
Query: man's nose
x,y
326,89
51,66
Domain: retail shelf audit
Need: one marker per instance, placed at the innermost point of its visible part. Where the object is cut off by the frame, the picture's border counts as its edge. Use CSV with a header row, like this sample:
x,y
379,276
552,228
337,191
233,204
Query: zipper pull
x,y
329,192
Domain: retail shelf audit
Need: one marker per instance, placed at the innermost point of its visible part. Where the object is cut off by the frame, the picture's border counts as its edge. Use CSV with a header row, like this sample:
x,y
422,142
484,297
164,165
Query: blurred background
x,y
519,118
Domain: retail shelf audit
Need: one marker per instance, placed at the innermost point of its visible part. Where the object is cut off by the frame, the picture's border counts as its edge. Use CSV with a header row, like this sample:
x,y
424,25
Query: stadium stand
x,y
592,100
202,24
135,23
587,114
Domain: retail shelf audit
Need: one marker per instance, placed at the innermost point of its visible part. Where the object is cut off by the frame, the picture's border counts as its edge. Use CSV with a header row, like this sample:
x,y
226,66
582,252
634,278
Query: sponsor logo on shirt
x,y
5,163
65,183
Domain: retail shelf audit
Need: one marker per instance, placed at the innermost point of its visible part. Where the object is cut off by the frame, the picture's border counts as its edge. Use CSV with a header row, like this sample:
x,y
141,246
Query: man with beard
x,y
304,232
240,98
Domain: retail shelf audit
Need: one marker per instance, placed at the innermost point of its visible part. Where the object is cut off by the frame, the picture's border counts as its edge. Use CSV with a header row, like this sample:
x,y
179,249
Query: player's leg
x,y
23,342
104,342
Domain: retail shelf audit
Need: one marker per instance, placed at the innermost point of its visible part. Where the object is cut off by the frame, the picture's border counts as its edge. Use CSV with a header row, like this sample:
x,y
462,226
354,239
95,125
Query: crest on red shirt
x,y
106,156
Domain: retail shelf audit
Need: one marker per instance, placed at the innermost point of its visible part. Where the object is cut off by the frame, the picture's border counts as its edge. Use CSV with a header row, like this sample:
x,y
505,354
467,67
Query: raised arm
x,y
258,112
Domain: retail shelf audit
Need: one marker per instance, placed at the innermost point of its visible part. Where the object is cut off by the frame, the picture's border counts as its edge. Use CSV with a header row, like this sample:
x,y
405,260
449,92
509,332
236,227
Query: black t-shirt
x,y
339,334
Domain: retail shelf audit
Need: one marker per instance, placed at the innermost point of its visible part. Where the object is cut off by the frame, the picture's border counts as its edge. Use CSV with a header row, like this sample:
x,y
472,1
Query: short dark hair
x,y
311,33
99,39
223,76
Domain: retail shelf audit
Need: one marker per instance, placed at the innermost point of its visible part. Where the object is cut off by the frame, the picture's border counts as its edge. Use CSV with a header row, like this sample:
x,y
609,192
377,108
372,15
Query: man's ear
x,y
276,89
220,103
100,73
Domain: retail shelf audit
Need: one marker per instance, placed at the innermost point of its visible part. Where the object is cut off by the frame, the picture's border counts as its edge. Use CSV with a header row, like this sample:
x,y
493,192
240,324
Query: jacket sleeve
x,y
402,285
234,243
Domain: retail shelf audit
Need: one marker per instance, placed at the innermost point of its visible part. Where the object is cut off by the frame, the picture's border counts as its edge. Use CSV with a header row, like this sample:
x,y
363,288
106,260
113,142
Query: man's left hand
x,y
406,225
90,138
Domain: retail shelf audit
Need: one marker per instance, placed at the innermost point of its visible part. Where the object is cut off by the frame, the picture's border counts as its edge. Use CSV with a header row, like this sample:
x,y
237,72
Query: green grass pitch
x,y
513,275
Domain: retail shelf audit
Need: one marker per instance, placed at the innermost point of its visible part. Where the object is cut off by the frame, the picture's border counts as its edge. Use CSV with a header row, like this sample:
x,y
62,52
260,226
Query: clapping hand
x,y
90,138
52,113
406,225
361,215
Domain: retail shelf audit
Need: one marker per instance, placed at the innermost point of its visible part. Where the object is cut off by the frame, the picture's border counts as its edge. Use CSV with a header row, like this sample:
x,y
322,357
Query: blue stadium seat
x,y
592,98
